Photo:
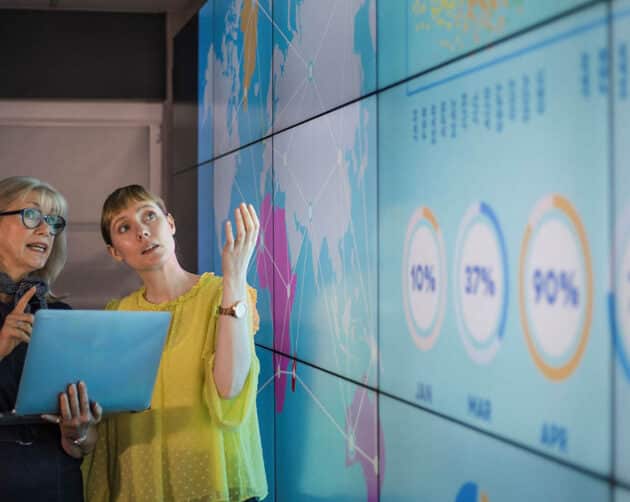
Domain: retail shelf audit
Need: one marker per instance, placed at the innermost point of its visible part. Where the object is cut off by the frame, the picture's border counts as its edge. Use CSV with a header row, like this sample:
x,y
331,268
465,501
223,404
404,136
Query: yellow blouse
x,y
191,445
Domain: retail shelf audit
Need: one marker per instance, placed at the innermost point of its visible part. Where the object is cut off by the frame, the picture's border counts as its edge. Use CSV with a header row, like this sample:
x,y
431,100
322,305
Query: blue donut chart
x,y
487,211
482,213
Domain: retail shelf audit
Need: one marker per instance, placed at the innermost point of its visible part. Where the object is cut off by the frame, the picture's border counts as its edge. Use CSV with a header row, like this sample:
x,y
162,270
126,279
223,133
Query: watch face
x,y
240,309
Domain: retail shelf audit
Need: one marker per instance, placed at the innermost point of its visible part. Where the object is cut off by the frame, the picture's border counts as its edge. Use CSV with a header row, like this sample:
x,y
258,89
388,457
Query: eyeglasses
x,y
33,217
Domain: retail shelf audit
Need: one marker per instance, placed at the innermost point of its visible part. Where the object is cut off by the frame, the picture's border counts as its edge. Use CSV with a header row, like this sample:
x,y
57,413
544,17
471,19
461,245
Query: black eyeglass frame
x,y
52,220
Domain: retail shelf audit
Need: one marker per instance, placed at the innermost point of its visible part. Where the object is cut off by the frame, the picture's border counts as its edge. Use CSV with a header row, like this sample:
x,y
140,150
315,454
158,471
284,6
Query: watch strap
x,y
226,310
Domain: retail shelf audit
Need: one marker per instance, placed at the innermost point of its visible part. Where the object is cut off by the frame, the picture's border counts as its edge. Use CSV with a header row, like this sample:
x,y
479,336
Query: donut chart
x,y
481,282
555,287
424,278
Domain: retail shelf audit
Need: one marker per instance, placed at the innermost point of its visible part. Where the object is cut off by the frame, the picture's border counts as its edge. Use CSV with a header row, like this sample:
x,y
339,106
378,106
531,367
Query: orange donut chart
x,y
562,204
425,338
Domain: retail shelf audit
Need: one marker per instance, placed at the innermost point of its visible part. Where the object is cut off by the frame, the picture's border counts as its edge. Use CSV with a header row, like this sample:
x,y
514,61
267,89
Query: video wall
x,y
443,269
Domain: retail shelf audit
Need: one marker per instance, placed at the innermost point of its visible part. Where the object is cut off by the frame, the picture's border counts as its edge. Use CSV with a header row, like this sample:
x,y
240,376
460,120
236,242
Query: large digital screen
x,y
443,266
494,240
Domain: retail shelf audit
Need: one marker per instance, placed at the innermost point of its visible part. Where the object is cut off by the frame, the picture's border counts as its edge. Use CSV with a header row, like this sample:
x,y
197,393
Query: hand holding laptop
x,y
77,415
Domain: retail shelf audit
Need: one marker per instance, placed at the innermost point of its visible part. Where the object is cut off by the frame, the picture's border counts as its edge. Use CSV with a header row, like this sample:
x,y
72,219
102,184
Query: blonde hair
x,y
16,187
119,200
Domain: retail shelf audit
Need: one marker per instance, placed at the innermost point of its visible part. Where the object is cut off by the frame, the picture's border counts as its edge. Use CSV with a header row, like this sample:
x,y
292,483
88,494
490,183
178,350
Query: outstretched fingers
x,y
238,250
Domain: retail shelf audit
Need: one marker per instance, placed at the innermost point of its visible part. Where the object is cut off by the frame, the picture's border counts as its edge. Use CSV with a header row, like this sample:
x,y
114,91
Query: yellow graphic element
x,y
562,372
249,27
462,20
484,498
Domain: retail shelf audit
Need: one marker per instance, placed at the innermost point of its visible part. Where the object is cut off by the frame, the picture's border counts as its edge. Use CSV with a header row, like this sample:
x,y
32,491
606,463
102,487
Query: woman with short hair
x,y
200,440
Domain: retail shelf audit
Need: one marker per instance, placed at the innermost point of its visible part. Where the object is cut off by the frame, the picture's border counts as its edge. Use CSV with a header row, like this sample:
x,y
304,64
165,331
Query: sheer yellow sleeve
x,y
230,413
255,318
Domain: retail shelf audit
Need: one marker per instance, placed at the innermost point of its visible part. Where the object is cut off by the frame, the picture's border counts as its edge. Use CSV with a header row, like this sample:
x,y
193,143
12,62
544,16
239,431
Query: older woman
x,y
38,461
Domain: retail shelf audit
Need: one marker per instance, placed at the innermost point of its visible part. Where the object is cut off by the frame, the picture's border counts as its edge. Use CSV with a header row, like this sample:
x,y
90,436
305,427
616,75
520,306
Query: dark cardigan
x,y
33,465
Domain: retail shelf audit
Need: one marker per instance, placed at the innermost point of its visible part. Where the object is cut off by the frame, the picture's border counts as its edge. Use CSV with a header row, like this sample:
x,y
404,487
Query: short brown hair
x,y
119,200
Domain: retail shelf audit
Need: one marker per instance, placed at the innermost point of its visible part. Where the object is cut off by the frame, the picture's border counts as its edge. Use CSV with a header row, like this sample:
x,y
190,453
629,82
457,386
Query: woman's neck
x,y
167,283
16,277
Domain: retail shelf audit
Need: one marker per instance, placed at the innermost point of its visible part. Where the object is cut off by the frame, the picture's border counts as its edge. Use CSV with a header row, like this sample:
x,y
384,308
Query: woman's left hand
x,y
238,251
76,419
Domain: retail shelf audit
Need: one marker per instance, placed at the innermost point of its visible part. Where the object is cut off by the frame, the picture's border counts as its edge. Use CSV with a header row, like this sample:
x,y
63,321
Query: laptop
x,y
116,353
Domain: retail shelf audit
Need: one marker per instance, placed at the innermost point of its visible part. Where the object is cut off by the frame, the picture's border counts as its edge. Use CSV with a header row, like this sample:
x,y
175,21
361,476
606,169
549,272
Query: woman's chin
x,y
35,264
150,263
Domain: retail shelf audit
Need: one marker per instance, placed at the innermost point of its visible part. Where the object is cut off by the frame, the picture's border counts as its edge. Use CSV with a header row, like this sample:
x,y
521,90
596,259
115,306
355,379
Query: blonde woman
x,y
200,439
39,461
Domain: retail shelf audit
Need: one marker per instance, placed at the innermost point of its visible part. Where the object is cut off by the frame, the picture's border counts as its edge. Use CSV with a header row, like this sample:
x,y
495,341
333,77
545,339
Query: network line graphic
x,y
312,42
313,187
274,271
358,433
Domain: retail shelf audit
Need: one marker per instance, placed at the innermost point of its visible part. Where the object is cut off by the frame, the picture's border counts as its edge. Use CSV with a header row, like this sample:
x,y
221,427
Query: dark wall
x,y
183,187
82,55
185,114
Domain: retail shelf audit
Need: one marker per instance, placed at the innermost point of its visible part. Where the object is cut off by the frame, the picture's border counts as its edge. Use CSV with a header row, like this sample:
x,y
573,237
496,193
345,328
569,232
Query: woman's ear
x,y
171,222
114,254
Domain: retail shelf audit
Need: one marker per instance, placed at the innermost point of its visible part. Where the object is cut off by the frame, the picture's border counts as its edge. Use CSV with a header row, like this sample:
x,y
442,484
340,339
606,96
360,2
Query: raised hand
x,y
233,354
237,252
17,326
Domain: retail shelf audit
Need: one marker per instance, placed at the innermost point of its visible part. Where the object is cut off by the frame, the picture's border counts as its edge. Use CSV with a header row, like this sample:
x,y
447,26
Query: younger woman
x,y
200,439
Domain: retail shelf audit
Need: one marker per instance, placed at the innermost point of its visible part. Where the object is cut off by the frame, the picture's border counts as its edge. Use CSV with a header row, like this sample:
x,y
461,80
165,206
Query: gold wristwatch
x,y
237,309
